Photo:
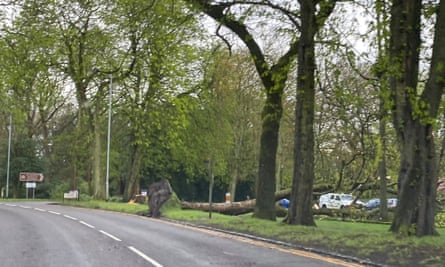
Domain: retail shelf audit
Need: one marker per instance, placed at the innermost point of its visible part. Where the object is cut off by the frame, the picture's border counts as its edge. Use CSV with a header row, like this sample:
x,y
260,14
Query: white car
x,y
337,201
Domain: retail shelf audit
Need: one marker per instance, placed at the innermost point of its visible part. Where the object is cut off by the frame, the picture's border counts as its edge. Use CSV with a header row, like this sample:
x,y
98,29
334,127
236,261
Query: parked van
x,y
336,201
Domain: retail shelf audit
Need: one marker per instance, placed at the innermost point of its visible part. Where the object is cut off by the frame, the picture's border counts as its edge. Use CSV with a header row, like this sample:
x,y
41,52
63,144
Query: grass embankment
x,y
367,241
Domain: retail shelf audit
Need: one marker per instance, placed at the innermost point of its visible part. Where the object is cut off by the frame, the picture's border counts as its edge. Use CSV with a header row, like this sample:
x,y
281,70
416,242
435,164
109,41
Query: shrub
x,y
440,219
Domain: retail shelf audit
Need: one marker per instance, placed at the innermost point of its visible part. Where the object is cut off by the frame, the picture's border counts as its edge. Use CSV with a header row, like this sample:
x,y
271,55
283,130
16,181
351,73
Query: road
x,y
44,234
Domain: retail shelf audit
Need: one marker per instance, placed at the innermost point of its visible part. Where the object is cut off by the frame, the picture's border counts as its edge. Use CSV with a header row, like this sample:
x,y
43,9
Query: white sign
x,y
30,185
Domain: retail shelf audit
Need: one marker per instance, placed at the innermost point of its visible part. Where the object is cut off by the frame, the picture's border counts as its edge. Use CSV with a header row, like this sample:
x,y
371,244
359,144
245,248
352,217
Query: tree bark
x,y
234,208
98,179
132,179
382,162
300,210
414,117
265,186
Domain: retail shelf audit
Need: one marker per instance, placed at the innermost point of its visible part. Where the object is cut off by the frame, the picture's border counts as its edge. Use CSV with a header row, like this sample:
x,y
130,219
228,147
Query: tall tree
x,y
273,77
382,36
300,210
414,112
238,100
33,94
80,45
159,35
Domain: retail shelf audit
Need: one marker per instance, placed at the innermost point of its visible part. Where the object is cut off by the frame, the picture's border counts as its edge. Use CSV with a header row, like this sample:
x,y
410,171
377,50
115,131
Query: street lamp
x,y
107,185
9,155
210,162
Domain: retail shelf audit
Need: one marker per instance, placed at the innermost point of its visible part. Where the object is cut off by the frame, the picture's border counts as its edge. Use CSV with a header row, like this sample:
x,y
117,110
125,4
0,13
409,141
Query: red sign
x,y
31,177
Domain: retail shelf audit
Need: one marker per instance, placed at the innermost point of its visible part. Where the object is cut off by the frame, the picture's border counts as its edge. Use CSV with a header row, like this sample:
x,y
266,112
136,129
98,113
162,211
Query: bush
x,y
56,190
85,197
116,199
440,219
173,202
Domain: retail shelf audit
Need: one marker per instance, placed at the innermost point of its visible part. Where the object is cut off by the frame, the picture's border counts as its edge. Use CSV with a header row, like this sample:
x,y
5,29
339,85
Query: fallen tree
x,y
243,207
232,208
246,206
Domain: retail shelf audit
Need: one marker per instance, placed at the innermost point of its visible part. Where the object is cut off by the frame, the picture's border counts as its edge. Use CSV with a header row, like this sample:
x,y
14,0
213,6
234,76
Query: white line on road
x,y
110,235
69,217
53,212
145,257
11,205
86,224
42,210
25,207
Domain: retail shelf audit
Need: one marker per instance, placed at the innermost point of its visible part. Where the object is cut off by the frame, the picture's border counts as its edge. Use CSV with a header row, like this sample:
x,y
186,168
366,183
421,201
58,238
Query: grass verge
x,y
367,241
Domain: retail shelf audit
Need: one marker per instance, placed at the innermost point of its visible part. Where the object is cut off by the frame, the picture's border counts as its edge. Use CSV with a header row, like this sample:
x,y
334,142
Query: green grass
x,y
111,206
358,239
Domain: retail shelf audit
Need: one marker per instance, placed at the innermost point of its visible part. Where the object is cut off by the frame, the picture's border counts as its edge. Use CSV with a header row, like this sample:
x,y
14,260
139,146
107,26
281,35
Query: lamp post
x,y
107,185
9,155
211,182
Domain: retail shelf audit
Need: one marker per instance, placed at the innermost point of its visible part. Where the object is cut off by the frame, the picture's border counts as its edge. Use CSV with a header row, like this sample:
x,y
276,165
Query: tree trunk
x,y
98,179
382,87
414,117
279,169
265,187
417,184
133,176
382,163
233,183
236,168
234,208
300,210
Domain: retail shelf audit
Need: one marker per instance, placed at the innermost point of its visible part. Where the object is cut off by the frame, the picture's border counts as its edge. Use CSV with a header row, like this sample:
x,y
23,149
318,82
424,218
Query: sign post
x,y
30,185
30,178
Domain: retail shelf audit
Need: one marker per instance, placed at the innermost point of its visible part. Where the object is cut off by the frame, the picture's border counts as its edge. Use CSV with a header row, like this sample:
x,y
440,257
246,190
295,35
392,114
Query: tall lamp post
x,y
107,185
9,155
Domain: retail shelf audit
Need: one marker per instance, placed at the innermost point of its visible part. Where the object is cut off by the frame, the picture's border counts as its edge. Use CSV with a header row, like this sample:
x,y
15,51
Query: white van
x,y
335,201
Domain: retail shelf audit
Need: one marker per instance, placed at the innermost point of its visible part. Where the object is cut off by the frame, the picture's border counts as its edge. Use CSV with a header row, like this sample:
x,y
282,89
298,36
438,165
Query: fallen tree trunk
x,y
233,208
243,207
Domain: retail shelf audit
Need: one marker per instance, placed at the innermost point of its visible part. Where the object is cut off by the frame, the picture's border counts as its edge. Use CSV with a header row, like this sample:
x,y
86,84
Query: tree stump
x,y
158,194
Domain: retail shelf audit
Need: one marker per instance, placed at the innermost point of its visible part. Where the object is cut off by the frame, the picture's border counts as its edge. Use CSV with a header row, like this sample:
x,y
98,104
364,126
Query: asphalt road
x,y
43,234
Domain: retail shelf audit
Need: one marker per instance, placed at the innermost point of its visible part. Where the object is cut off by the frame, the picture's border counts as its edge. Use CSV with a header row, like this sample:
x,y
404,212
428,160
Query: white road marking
x,y
86,224
110,235
69,217
11,205
25,207
145,257
54,212
42,210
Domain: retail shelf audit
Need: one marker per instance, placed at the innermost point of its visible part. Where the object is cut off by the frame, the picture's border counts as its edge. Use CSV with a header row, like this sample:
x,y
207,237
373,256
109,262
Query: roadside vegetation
x,y
367,242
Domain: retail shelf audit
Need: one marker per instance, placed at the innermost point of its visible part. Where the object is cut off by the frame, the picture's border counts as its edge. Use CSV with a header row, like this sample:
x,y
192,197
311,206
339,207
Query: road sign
x,y
30,177
30,185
